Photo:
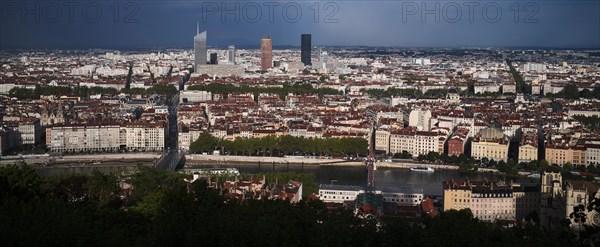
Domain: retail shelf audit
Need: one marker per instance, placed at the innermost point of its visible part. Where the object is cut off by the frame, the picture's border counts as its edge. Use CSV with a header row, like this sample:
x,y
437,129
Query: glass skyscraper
x,y
305,46
199,47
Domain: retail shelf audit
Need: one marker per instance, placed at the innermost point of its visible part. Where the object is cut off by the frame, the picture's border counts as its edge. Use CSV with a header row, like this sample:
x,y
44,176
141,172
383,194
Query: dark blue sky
x,y
172,23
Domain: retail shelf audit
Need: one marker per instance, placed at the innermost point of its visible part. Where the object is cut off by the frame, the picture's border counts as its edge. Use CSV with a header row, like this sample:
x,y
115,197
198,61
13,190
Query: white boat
x,y
421,169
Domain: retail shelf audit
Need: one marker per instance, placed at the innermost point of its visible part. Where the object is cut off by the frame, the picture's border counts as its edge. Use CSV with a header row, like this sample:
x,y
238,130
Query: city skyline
x,y
401,123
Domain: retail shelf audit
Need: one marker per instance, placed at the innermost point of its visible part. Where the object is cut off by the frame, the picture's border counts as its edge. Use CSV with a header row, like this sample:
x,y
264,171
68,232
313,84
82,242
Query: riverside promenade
x,y
232,159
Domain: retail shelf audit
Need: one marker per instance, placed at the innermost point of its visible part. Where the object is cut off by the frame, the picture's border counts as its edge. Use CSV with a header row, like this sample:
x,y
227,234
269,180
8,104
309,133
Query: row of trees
x,y
510,167
84,91
571,91
406,92
281,145
464,162
592,122
164,210
467,163
521,86
301,89
32,94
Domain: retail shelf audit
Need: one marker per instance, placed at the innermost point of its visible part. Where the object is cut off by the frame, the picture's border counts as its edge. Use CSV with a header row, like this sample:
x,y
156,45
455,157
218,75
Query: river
x,y
431,183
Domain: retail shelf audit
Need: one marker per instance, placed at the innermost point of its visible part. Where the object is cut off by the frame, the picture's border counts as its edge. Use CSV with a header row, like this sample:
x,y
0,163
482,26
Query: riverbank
x,y
84,159
225,159
408,165
231,159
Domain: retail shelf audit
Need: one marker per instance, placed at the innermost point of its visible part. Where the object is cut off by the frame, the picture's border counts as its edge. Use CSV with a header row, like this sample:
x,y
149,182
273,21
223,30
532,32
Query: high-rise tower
x,y
199,47
266,53
214,59
305,45
231,54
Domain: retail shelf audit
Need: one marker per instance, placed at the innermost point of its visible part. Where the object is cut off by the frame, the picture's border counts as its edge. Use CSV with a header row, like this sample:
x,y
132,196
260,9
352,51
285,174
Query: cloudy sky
x,y
172,23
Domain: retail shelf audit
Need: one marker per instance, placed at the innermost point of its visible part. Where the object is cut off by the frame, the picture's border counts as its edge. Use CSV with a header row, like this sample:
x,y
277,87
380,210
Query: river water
x,y
431,183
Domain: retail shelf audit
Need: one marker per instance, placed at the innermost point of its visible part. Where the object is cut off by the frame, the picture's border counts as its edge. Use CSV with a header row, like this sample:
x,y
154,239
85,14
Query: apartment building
x,y
106,137
30,131
528,147
563,154
488,201
416,142
490,143
382,140
81,137
593,153
146,136
458,141
420,119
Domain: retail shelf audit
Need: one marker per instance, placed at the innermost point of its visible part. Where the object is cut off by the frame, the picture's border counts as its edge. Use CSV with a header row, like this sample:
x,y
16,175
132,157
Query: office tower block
x,y
199,47
266,53
305,46
231,54
213,58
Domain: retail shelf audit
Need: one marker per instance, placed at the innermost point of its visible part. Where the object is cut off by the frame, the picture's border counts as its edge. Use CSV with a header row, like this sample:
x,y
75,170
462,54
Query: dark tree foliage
x,y
571,91
301,89
83,91
284,145
403,155
521,86
168,90
166,211
592,122
380,93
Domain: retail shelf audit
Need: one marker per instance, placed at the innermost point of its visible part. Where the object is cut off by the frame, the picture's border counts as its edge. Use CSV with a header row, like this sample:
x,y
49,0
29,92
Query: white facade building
x,y
420,119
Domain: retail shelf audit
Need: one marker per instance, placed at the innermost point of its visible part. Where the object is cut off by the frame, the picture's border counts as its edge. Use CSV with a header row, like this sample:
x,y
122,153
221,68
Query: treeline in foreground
x,y
282,145
162,210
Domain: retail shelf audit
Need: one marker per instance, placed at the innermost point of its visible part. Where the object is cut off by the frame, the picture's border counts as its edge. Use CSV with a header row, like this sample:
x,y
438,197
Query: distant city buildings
x,y
538,67
194,96
424,101
421,61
